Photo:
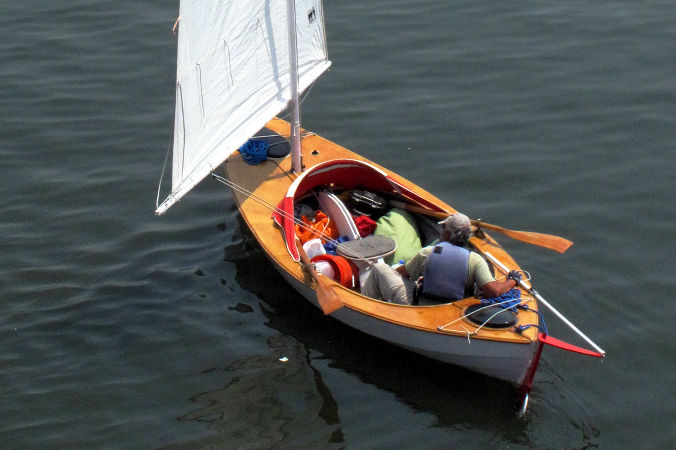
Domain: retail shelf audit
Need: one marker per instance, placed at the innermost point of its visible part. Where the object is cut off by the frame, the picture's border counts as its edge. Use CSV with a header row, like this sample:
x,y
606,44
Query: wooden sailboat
x,y
239,65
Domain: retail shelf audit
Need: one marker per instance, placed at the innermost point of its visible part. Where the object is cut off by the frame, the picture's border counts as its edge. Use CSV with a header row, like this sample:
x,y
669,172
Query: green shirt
x,y
478,271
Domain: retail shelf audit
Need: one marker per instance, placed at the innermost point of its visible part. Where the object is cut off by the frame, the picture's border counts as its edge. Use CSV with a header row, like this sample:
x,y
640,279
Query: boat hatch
x,y
491,316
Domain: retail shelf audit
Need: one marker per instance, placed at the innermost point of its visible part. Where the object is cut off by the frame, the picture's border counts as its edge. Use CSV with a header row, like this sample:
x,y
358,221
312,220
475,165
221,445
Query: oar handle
x,y
440,215
420,210
540,299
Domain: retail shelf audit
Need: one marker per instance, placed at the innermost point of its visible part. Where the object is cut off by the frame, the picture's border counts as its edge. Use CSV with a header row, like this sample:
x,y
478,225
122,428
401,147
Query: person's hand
x,y
514,275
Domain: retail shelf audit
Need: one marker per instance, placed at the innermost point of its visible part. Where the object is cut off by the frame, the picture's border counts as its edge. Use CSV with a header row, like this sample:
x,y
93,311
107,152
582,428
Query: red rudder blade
x,y
566,346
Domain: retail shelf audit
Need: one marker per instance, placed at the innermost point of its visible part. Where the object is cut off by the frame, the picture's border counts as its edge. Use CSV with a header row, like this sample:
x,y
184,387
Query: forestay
x,y
233,76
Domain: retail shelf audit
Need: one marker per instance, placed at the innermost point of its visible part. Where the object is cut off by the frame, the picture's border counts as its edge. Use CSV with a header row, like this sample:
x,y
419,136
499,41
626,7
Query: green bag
x,y
400,226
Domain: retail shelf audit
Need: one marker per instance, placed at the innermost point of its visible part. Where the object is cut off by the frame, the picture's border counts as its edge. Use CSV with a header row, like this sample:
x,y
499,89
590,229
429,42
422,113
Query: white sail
x,y
233,76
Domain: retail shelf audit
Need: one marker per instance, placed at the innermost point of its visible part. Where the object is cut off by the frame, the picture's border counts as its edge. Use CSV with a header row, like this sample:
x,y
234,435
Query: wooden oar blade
x,y
327,297
549,241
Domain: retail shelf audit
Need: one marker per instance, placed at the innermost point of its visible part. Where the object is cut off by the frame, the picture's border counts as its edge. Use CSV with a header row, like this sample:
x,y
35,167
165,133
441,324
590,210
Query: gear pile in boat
x,y
327,221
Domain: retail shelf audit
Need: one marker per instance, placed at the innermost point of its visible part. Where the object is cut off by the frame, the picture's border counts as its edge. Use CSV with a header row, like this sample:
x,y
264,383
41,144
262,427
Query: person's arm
x,y
497,288
414,268
489,286
402,271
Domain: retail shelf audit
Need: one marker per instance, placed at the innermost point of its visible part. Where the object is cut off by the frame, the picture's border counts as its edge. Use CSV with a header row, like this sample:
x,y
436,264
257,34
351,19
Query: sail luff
x,y
233,76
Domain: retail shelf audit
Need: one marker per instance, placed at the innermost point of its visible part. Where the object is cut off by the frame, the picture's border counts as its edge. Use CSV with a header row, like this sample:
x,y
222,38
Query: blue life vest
x,y
445,273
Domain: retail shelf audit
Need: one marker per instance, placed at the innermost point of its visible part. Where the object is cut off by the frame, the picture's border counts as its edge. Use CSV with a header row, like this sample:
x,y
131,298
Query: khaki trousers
x,y
384,283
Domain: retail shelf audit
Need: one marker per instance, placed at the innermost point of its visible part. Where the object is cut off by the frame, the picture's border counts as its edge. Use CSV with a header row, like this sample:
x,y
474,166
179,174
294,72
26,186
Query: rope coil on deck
x,y
507,300
511,300
254,151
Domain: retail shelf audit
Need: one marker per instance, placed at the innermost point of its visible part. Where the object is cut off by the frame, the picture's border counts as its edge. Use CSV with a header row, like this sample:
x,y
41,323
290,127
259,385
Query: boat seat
x,y
362,252
371,247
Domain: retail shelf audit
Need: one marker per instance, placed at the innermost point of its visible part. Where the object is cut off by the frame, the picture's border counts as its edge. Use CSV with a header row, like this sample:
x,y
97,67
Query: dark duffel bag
x,y
366,203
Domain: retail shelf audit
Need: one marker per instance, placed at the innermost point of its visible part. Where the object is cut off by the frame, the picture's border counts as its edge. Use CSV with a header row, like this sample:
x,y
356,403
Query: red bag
x,y
365,225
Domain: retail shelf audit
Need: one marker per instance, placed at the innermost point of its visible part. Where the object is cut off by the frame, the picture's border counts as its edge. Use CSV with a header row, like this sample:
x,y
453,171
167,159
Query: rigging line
x,y
281,212
542,318
499,312
267,136
180,90
350,252
441,327
283,139
164,167
262,201
525,299
475,332
303,98
307,92
288,216
469,334
541,299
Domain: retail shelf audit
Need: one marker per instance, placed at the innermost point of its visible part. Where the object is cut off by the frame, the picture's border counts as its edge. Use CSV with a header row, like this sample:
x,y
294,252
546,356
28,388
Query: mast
x,y
296,159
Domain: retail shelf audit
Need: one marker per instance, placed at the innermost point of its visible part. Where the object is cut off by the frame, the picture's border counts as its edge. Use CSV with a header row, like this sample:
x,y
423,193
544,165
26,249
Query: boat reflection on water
x,y
275,398
281,397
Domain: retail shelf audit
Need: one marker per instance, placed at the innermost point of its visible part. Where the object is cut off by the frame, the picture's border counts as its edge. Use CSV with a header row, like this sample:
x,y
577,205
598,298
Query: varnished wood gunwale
x,y
270,181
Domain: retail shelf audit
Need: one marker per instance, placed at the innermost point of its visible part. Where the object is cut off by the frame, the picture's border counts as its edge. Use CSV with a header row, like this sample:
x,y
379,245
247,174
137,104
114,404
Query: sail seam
x,y
199,82
229,63
180,90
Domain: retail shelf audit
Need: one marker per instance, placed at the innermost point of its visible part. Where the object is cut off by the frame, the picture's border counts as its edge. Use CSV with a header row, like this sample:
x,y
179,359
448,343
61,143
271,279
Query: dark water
x,y
120,329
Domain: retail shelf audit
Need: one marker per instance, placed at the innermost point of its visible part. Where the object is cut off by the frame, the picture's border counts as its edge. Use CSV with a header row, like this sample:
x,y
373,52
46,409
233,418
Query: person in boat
x,y
448,270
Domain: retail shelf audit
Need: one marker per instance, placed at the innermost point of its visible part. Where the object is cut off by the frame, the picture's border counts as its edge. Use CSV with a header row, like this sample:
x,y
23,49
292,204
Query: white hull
x,y
502,360
504,354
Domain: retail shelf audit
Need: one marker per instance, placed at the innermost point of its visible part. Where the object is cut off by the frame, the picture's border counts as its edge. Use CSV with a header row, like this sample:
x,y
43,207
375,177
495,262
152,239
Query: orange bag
x,y
320,227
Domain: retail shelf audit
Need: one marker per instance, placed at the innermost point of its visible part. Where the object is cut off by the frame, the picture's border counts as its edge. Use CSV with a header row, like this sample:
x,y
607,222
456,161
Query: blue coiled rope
x,y
254,151
513,294
542,328
512,300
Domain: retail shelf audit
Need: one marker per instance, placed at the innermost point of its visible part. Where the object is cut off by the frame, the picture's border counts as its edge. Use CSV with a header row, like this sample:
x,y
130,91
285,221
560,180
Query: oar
x,y
326,295
549,241
534,293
